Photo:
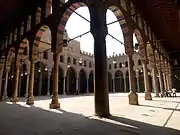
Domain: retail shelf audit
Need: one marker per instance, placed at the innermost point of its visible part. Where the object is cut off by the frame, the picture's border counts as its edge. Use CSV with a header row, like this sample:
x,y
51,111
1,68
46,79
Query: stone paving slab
x,y
76,117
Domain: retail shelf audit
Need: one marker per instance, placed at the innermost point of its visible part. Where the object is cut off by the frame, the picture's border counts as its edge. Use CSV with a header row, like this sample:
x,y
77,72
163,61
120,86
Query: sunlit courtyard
x,y
76,117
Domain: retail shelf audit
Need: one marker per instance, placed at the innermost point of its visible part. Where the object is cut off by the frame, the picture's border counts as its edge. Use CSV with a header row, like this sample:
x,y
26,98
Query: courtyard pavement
x,y
161,116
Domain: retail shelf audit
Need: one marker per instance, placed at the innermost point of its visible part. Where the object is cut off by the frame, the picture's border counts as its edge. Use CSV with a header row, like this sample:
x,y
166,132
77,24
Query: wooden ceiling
x,y
161,15
12,12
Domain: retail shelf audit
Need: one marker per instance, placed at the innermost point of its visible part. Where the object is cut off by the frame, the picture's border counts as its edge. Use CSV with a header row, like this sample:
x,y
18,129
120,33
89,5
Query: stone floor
x,y
159,117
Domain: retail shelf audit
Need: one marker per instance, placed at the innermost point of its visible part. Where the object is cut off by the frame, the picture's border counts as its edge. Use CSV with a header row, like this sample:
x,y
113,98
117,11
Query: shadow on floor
x,y
172,109
16,119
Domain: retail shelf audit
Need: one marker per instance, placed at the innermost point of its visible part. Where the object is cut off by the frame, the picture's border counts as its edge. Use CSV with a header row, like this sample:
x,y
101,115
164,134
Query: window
x,y
120,65
90,64
74,61
85,63
115,65
61,58
69,60
109,66
126,64
139,62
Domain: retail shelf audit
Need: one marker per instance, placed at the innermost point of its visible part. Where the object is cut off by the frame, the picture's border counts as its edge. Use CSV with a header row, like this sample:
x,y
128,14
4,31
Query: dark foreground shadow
x,y
19,120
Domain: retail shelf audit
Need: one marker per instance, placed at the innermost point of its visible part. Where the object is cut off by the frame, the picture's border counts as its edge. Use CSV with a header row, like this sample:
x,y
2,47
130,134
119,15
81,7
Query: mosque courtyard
x,y
160,116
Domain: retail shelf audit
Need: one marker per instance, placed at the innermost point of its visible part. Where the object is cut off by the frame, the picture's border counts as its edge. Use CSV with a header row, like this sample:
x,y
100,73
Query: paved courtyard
x,y
76,117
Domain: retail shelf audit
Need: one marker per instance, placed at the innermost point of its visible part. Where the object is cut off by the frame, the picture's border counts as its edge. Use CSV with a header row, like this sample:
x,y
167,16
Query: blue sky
x,y
76,26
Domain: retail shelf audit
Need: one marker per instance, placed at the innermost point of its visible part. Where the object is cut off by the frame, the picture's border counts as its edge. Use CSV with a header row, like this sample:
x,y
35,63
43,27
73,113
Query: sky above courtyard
x,y
77,26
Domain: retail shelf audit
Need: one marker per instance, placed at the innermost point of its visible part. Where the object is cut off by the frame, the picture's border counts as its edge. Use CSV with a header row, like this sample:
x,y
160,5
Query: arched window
x,y
115,65
74,61
90,64
85,63
139,62
61,58
109,66
126,64
120,65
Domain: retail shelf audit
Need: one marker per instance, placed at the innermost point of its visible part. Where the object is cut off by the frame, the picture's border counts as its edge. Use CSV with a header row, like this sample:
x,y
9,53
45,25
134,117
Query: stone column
x,y
27,85
30,98
170,76
125,87
164,80
64,82
4,97
133,97
1,74
114,84
146,81
40,84
155,79
99,32
48,82
16,82
19,85
55,103
161,82
137,76
77,83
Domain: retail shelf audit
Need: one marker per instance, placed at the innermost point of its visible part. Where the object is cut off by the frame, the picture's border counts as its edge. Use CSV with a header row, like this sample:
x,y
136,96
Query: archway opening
x,y
119,82
82,81
9,73
71,81
38,78
141,81
23,80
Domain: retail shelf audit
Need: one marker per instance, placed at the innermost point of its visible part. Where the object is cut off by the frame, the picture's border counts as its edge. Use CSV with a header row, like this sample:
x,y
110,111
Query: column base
x,y
133,98
15,99
148,96
54,103
54,106
103,115
30,100
5,97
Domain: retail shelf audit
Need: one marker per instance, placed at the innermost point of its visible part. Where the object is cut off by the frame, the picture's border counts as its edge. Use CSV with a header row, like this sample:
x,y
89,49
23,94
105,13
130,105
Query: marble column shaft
x,y
27,85
5,85
99,32
55,102
16,84
30,98
48,83
146,81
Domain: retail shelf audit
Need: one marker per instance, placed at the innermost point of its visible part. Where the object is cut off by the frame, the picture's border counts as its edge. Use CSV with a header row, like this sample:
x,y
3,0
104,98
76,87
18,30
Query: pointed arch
x,y
71,6
42,40
10,56
120,16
